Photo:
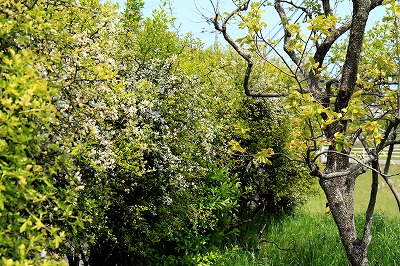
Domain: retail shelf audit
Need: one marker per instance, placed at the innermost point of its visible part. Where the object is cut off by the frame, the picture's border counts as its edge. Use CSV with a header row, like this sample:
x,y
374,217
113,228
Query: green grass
x,y
385,204
313,240
312,236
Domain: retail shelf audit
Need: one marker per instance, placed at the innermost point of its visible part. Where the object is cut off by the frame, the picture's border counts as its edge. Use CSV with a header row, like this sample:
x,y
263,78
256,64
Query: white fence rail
x,y
361,153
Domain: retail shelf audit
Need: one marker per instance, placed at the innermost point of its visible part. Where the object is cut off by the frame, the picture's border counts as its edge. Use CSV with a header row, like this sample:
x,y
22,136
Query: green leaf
x,y
235,146
263,156
339,147
23,227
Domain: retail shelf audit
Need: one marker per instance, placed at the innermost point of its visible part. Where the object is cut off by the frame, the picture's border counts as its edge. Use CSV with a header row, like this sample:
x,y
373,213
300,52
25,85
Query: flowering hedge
x,y
115,139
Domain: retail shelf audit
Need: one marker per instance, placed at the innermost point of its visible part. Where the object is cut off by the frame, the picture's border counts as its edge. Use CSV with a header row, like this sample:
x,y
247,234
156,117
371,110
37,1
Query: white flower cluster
x,y
93,104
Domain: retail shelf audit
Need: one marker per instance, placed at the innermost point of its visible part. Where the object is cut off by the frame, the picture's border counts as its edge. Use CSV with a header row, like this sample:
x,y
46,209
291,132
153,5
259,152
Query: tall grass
x,y
310,237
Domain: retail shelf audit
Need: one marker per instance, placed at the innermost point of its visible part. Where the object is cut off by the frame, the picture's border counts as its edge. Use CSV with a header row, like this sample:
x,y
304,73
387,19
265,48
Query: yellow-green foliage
x,y
33,210
29,203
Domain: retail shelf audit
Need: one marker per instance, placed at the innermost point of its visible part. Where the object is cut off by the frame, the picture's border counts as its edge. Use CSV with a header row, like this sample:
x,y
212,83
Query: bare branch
x,y
222,28
372,156
371,205
387,179
390,142
327,7
360,163
272,242
309,14
326,45
393,188
287,156
288,36
283,59
261,37
385,82
392,125
260,234
385,176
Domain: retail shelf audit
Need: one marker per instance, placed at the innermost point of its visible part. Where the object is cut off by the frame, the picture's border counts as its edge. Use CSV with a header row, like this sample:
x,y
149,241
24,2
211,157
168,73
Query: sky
x,y
189,17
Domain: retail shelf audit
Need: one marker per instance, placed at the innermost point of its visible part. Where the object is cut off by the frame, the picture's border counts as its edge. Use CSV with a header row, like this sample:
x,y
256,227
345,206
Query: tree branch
x,y
288,36
293,74
360,163
326,45
388,180
361,11
385,176
327,7
269,241
371,205
309,14
222,28
392,125
272,242
393,188
376,3
384,143
390,142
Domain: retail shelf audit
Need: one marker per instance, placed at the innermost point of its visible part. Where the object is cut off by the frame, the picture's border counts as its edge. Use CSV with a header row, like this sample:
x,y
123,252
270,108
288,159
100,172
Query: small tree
x,y
339,99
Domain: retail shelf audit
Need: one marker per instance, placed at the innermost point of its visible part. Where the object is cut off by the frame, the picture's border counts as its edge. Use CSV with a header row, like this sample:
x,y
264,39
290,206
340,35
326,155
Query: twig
x,y
269,241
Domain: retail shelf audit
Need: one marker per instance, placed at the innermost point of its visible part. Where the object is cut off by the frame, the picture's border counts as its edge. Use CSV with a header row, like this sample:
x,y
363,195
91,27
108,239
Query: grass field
x,y
386,203
310,237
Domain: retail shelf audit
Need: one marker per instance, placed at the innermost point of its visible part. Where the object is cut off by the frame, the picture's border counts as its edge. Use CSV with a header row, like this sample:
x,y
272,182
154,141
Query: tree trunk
x,y
339,190
340,194
356,250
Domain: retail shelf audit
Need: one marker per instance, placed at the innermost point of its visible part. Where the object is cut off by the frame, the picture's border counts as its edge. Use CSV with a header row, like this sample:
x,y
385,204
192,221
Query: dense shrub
x,y
116,140
279,184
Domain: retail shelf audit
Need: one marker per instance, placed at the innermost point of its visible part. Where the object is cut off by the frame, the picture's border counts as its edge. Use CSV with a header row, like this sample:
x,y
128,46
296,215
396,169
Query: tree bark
x,y
340,190
340,194
356,250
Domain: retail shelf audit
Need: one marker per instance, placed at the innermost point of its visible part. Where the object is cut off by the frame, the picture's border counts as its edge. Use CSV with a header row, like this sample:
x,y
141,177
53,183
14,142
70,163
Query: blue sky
x,y
189,18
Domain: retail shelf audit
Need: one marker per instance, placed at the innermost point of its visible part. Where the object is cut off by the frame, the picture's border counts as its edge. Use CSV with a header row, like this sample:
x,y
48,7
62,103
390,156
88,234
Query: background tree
x,y
334,106
143,159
